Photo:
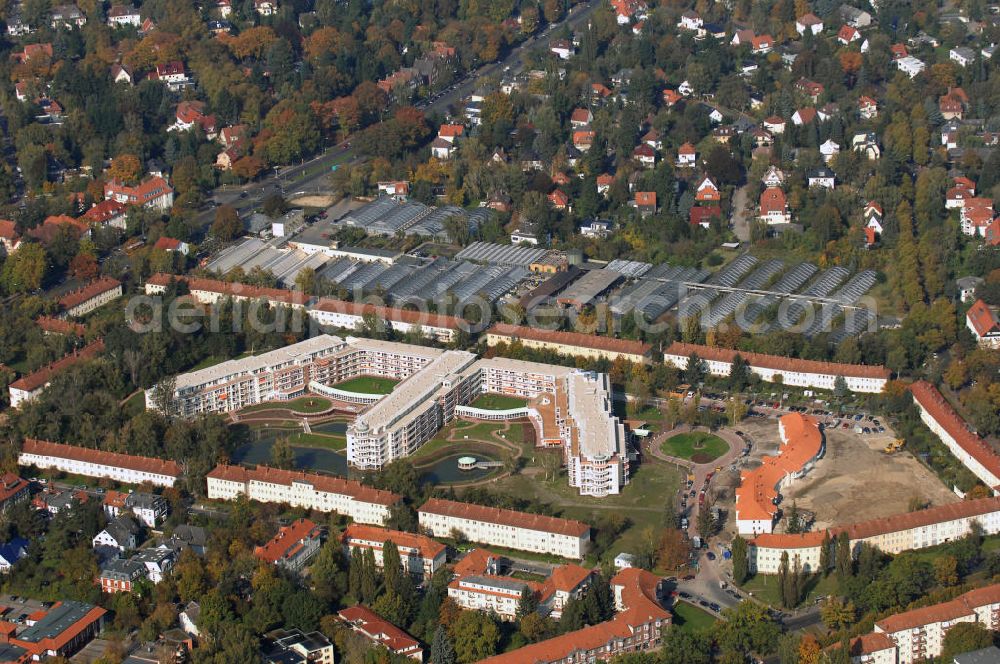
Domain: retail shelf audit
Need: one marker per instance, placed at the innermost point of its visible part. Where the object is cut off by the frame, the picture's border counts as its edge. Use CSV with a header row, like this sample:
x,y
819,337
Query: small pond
x,y
258,451
446,471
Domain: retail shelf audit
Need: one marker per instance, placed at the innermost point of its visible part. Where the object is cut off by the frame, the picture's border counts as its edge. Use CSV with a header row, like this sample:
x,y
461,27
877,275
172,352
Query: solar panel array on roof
x,y
730,301
501,254
630,269
695,302
789,283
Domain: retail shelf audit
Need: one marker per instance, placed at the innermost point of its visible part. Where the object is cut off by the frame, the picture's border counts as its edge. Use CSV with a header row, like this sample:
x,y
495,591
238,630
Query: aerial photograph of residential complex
x,y
507,331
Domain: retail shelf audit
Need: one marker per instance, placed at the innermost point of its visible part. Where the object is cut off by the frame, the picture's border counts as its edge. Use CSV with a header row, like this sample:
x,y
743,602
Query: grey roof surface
x,y
56,621
501,254
588,287
989,655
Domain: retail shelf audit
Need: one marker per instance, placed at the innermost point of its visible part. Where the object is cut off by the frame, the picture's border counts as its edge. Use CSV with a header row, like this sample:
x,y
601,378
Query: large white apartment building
x,y
893,534
299,489
595,445
568,408
279,374
124,468
419,555
406,418
918,635
793,371
506,528
969,448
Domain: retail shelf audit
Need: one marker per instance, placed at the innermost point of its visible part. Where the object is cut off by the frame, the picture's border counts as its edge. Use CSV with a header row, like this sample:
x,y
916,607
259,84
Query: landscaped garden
x,y
308,404
368,385
695,446
499,402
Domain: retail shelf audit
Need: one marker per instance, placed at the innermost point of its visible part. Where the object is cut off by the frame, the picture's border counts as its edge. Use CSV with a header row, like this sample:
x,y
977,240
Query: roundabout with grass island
x,y
698,447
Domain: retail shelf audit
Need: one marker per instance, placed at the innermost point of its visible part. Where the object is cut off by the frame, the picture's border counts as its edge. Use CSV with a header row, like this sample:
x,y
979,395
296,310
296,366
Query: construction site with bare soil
x,y
855,480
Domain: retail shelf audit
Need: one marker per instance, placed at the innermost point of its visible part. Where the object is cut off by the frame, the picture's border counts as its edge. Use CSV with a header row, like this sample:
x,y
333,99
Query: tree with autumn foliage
x,y
253,43
126,167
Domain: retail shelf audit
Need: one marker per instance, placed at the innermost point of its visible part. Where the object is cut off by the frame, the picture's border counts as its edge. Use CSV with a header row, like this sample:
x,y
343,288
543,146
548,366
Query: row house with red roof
x,y
892,534
90,297
974,452
865,378
636,627
506,528
918,634
322,493
124,468
419,555
31,385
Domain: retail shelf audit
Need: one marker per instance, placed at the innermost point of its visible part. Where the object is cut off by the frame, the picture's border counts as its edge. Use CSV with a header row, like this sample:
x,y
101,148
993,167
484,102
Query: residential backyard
x,y
368,385
696,446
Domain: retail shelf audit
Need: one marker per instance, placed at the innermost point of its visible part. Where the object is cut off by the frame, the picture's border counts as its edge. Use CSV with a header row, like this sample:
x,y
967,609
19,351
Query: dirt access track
x,y
856,481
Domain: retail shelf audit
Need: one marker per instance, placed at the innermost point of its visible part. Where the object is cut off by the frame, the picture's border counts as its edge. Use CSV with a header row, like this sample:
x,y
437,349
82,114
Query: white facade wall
x,y
511,537
987,477
350,321
767,559
95,302
300,494
74,467
793,378
412,561
483,597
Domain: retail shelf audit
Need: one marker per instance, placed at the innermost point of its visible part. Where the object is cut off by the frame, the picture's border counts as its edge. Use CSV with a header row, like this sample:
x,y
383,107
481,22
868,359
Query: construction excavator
x,y
894,446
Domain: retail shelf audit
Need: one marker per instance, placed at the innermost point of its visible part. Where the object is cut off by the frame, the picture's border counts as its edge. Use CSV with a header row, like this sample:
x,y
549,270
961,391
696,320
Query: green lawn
x,y
135,404
696,446
765,587
690,618
307,404
368,385
498,402
642,501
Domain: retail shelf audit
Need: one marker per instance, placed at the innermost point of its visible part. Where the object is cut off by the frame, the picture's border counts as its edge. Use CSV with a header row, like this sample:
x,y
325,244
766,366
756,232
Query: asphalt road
x,y
309,176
